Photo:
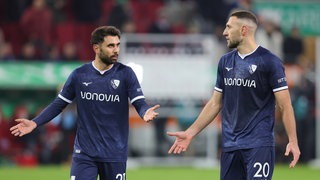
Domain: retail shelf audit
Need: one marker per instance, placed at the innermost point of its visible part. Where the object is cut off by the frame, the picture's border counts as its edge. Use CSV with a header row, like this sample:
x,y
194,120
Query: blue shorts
x,y
248,164
82,169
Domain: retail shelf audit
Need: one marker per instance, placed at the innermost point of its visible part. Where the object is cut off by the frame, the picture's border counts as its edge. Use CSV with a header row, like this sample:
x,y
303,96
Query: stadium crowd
x,y
59,30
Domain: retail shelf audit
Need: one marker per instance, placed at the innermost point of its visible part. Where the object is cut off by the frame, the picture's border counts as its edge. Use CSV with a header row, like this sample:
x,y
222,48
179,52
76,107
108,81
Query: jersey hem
x,y
82,156
229,149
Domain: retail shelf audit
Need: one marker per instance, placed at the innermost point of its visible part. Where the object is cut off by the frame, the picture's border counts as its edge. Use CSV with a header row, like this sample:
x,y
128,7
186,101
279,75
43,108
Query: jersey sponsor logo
x,y
100,97
115,83
228,68
87,83
240,82
252,68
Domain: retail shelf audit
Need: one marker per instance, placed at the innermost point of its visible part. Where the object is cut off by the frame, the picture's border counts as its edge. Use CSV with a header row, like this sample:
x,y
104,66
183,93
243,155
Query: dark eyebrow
x,y
113,44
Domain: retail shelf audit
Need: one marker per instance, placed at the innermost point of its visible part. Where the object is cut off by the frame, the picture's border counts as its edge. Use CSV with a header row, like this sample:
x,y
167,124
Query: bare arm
x,y
207,115
285,107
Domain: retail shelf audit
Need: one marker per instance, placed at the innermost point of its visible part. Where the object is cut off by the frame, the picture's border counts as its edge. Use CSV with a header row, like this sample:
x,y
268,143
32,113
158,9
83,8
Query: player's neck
x,y
102,66
247,47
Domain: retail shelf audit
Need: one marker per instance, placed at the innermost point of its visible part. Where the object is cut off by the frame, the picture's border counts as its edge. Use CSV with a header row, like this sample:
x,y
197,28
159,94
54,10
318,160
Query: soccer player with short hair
x,y
250,84
101,89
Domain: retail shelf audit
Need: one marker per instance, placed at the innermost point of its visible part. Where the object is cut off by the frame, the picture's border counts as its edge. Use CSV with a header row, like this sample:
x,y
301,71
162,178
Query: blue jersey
x,y
103,110
248,85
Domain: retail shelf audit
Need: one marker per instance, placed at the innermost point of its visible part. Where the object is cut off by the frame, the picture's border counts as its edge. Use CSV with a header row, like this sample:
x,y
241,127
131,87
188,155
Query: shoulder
x,y
266,54
122,67
268,58
82,69
229,54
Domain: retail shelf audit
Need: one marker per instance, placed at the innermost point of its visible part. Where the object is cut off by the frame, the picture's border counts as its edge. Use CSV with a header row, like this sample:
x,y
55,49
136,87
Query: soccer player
x,y
102,90
251,84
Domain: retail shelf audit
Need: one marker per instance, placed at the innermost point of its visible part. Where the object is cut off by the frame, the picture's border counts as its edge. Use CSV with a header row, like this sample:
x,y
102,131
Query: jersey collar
x,y
101,72
242,56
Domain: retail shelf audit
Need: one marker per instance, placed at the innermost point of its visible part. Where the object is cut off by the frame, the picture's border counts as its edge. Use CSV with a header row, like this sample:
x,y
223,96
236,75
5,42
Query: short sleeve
x,y
219,82
278,80
68,91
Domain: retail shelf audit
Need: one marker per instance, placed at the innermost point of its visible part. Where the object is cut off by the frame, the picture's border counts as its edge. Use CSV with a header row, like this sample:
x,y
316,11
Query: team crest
x,y
115,83
252,68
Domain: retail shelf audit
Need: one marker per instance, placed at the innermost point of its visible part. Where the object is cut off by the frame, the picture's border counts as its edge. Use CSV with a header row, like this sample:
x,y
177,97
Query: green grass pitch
x,y
281,172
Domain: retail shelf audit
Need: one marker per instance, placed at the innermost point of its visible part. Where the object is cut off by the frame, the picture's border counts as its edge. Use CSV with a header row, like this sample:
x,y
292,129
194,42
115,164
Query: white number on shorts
x,y
263,170
121,176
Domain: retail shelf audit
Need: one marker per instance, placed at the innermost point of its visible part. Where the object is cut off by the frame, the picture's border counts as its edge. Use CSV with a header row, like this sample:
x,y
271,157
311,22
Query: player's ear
x,y
95,48
244,30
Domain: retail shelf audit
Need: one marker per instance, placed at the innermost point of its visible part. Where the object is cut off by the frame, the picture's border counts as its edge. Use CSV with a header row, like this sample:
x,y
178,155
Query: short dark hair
x,y
97,36
244,14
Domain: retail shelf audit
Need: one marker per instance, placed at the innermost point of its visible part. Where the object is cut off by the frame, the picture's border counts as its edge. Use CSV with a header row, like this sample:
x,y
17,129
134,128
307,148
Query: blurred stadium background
x,y
173,46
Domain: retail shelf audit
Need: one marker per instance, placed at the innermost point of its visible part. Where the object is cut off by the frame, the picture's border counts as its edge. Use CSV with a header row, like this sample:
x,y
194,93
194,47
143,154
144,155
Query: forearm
x,y
50,112
207,115
287,115
289,123
141,107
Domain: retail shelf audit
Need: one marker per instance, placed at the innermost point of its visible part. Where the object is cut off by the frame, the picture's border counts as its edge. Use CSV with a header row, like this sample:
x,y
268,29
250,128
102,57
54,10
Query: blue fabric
x,y
248,85
50,112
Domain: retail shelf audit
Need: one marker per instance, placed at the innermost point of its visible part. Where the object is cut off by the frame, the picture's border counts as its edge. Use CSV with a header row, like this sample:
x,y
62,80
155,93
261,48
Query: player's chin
x,y
114,59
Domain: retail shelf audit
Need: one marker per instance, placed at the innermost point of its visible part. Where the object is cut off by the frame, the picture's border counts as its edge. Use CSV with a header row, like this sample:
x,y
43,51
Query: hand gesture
x,y
181,143
151,114
292,147
23,127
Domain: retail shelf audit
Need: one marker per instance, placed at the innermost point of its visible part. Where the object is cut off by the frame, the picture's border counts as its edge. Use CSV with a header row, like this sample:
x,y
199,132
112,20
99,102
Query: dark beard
x,y
233,44
105,59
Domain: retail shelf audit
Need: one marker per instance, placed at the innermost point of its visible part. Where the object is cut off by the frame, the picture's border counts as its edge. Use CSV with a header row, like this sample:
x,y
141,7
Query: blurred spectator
x,y
303,102
160,125
244,4
67,124
36,23
69,52
128,27
186,111
269,35
6,53
28,155
87,11
293,46
50,139
215,12
28,52
161,25
119,15
180,14
53,53
5,144
59,10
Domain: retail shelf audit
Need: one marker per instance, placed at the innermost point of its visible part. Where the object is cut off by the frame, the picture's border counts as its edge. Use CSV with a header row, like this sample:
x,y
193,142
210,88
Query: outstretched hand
x,y
23,127
181,143
151,114
293,148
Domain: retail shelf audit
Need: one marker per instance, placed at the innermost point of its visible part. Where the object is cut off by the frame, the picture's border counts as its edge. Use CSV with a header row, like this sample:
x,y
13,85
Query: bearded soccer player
x,y
251,83
101,89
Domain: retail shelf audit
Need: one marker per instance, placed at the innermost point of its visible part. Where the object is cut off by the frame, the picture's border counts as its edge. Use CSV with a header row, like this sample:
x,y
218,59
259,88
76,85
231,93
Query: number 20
x,y
121,176
263,170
